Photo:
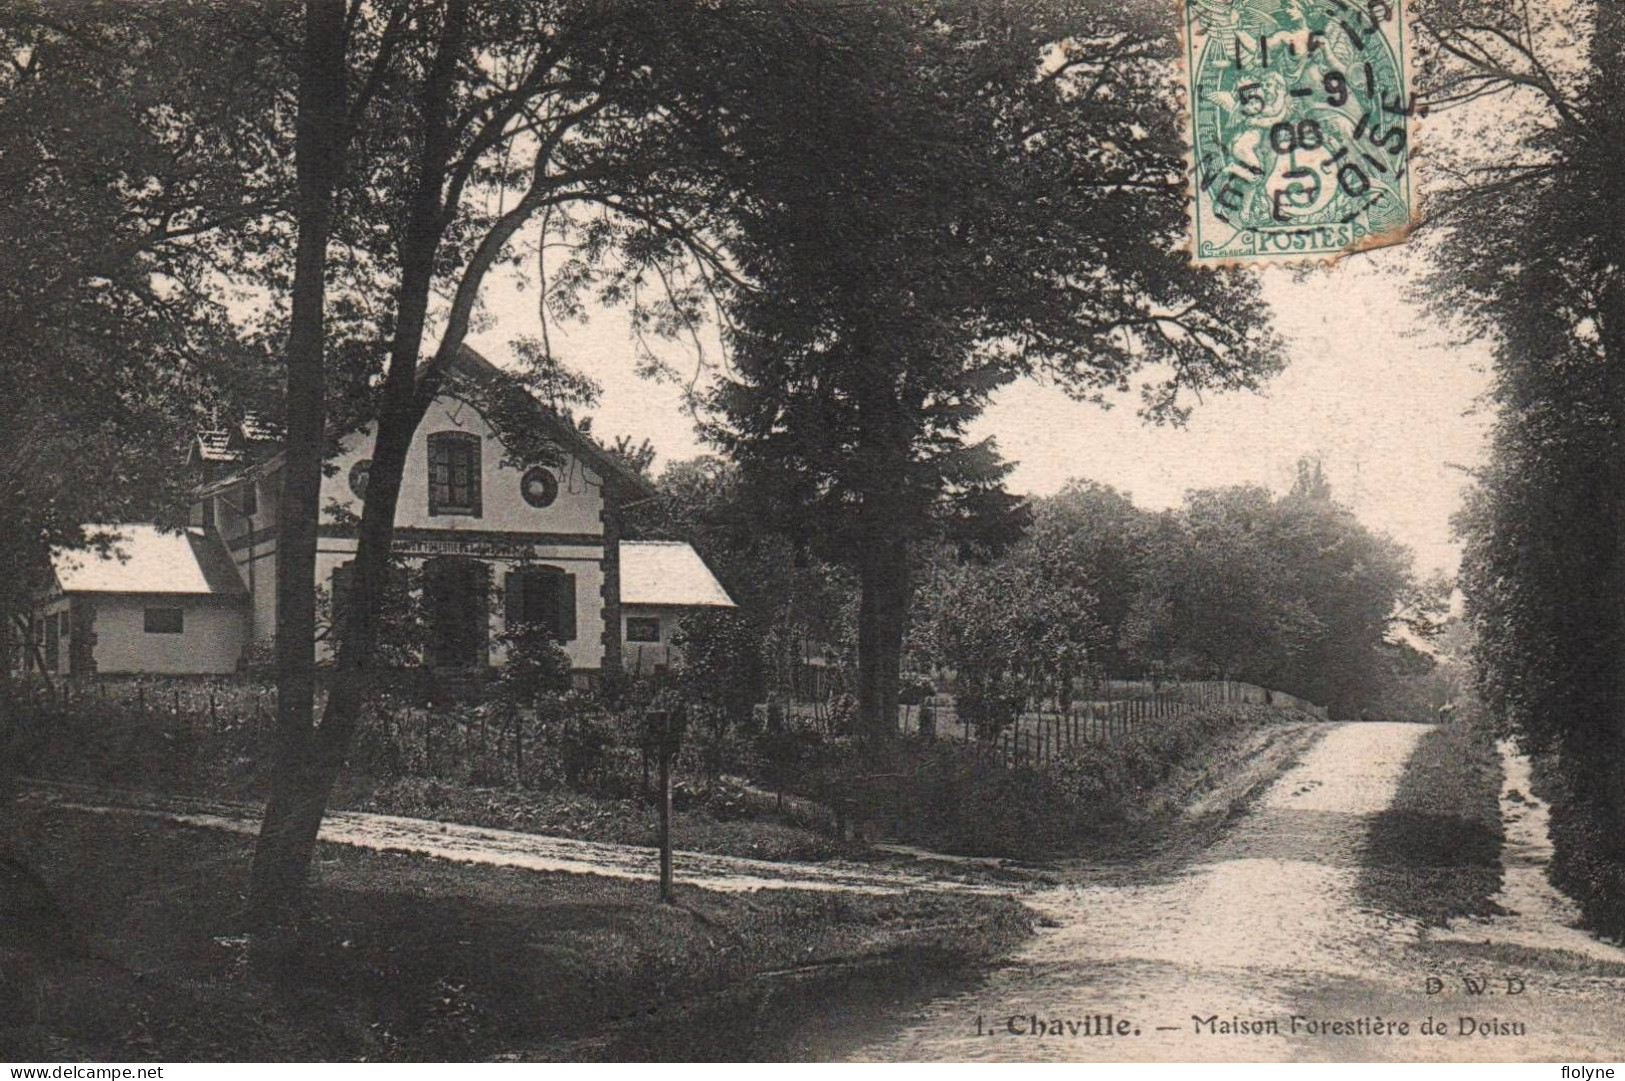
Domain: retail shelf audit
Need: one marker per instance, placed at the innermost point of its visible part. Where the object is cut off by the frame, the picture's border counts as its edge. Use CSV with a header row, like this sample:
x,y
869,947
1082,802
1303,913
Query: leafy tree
x,y
458,125
1525,239
793,601
965,194
719,653
1015,636
121,166
1094,535
1359,588
640,456
1293,593
1215,599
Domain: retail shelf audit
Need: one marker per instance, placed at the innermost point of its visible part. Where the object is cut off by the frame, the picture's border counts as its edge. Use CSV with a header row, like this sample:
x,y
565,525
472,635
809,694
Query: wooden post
x,y
665,826
518,748
214,715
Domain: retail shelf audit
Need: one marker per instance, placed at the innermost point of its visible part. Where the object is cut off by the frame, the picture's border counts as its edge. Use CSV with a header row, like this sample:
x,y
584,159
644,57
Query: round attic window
x,y
539,487
358,477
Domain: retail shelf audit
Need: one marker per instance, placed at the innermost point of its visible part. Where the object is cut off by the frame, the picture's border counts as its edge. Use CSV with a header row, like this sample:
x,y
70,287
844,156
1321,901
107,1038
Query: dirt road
x,y
1214,962
1256,948
509,848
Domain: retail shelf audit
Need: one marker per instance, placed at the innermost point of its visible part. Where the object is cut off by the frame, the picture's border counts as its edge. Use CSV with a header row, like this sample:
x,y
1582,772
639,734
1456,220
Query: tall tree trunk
x,y
280,857
885,588
308,783
307,779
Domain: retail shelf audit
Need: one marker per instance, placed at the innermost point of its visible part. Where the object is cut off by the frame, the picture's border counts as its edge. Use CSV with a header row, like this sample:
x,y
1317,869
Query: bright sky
x,y
1384,398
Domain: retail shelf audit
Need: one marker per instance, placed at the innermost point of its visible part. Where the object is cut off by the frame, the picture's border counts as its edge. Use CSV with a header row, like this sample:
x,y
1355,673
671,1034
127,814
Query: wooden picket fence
x,y
1039,737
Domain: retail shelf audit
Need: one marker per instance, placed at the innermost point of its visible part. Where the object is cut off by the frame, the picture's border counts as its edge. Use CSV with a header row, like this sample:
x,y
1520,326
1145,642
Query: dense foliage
x,y
965,194
1526,237
1289,592
120,164
955,799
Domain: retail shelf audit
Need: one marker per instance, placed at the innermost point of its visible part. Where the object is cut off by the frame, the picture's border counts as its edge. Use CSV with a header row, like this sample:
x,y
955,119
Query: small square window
x,y
643,628
164,621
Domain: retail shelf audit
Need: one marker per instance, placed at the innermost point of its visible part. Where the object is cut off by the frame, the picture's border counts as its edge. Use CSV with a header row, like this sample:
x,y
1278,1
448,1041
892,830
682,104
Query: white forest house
x,y
495,544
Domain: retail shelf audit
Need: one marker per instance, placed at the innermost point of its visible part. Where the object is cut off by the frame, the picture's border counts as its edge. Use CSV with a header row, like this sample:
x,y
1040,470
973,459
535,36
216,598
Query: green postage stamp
x,y
1301,121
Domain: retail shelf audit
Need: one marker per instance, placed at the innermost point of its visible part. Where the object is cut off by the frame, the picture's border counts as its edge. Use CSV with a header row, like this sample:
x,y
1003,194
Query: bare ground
x,y
510,848
1267,925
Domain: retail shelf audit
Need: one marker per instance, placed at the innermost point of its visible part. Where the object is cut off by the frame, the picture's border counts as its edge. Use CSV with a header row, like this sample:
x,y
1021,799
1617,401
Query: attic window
x,y
454,473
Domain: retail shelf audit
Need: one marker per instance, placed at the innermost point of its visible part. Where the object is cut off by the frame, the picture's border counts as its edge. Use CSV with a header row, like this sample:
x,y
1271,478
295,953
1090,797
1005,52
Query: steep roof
x,y
472,364
216,446
256,429
669,574
147,560
469,364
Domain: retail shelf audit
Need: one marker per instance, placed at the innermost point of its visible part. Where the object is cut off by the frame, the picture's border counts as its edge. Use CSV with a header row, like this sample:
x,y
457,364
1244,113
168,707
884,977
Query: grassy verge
x,y
174,745
1435,853
1093,797
407,958
717,824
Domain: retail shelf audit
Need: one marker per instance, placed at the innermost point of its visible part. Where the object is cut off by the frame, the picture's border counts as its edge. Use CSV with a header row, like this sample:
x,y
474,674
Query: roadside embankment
x,y
1093,799
404,957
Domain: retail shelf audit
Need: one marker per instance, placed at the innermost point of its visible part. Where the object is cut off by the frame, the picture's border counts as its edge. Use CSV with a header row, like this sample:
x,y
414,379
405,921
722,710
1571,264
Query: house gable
x,y
565,499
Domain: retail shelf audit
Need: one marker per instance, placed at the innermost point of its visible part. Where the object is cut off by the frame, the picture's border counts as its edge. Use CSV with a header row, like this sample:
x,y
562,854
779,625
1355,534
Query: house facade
x,y
164,603
492,544
662,583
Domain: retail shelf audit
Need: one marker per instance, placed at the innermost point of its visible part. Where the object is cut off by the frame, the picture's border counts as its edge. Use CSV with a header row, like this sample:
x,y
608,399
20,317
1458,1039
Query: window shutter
x,y
566,606
480,582
513,599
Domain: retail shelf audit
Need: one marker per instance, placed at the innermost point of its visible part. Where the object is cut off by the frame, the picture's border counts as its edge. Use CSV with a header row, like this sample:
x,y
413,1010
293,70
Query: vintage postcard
x,y
940,531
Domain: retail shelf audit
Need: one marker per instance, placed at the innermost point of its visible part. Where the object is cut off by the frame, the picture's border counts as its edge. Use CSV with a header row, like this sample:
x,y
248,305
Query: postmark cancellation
x,y
1301,124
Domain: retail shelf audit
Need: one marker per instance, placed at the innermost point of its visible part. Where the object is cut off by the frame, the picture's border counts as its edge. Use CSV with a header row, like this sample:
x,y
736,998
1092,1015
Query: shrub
x,y
960,798
536,665
720,663
584,737
1587,859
